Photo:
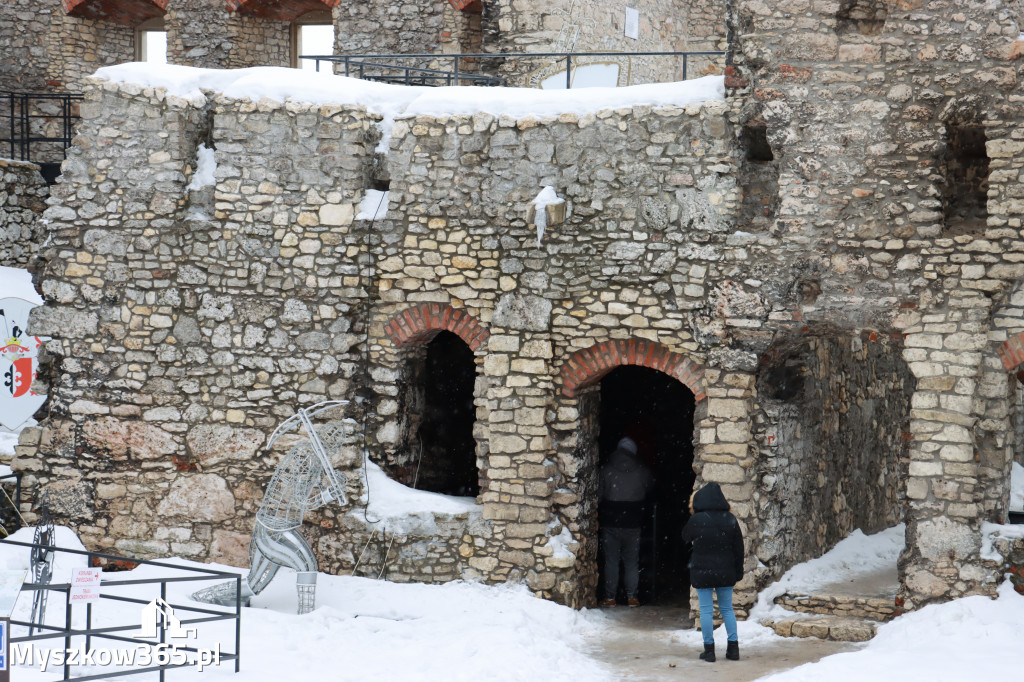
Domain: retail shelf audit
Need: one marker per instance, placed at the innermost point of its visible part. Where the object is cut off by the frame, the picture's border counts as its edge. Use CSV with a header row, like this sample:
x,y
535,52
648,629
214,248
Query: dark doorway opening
x,y
447,459
656,411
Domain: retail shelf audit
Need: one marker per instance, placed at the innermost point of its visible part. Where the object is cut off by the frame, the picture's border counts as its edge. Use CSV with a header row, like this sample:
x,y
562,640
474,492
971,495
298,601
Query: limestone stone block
x,y
213,444
940,538
200,497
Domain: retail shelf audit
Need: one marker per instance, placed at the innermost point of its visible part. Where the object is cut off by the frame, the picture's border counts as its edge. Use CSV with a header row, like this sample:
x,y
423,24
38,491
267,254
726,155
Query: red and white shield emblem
x,y
18,363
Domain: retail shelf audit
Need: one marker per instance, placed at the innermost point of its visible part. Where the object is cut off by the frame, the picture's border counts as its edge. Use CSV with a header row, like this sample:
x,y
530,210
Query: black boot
x,y
709,653
732,651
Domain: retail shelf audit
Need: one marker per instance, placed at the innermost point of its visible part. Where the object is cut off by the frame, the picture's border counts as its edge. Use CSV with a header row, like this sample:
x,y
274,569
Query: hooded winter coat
x,y
717,558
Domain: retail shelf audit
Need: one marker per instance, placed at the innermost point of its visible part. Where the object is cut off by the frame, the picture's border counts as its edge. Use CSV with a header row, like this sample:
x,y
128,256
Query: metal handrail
x,y
67,632
457,74
21,110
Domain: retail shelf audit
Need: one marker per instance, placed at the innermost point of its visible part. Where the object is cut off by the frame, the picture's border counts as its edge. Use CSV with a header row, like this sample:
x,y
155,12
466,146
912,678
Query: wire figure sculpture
x,y
304,480
41,563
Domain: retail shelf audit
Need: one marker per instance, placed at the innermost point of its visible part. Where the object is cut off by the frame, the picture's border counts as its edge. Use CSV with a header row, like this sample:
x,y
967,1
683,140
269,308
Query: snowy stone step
x,y
834,628
846,606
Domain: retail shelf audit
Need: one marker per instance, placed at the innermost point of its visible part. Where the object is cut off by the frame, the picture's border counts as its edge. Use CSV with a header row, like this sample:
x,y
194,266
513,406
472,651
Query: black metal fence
x,y
464,69
38,127
117,633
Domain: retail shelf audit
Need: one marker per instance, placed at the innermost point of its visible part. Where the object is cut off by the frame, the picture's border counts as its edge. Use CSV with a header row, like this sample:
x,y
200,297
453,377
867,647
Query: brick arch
x,y
279,10
586,367
1011,352
127,12
419,324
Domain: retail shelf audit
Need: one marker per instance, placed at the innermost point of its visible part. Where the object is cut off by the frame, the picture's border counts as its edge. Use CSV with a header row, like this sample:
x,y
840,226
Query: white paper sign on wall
x,y
19,360
632,23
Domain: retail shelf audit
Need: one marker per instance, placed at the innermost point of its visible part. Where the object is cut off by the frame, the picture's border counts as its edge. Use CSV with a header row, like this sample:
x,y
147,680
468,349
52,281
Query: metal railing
x,y
38,127
111,632
387,67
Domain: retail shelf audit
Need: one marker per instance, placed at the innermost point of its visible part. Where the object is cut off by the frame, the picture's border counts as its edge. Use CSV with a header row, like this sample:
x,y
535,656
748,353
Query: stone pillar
x,y
942,478
724,453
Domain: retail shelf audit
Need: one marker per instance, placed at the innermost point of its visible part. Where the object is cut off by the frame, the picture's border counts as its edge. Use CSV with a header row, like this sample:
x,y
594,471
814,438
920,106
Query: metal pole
x,y
238,622
685,65
456,69
568,71
163,624
67,629
11,114
346,65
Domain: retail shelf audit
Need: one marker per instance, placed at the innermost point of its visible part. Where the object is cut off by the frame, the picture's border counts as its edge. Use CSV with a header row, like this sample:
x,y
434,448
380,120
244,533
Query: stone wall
x,y
860,113
22,201
187,325
597,26
835,413
204,34
45,50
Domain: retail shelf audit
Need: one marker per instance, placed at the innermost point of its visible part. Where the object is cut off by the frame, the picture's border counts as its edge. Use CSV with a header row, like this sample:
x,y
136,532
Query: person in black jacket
x,y
716,564
625,484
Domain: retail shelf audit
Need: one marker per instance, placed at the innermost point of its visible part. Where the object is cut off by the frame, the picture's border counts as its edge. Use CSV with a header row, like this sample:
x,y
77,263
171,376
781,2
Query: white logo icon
x,y
152,614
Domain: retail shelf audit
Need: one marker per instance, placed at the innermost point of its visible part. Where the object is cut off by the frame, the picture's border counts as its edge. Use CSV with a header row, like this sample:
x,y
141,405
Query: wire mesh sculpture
x,y
304,480
41,563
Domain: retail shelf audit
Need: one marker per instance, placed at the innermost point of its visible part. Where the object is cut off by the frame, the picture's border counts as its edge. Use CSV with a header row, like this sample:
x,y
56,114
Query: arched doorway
x,y
446,461
656,411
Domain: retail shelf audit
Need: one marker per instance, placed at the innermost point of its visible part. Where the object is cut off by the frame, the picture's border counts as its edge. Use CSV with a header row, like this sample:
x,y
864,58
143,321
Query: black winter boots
x,y
732,651
709,653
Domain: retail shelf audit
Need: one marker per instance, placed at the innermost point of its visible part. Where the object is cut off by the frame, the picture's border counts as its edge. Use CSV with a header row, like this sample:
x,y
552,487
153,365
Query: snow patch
x,y
546,197
853,556
559,544
974,638
400,509
990,532
390,101
206,164
374,205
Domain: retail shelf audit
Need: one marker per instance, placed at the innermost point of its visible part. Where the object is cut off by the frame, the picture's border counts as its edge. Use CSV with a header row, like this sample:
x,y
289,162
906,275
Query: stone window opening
x,y
151,41
312,34
755,142
657,412
966,167
759,177
441,447
861,17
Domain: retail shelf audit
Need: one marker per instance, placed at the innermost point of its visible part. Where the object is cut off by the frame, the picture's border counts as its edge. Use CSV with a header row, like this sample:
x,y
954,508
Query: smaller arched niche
x,y
441,420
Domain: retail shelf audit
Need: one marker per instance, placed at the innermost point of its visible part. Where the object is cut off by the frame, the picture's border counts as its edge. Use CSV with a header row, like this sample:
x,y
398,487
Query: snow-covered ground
x,y
365,629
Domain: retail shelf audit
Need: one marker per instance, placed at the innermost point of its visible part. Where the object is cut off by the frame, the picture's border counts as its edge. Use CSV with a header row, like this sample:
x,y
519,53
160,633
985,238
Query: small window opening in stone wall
x,y
151,41
864,17
443,457
312,35
656,411
380,185
759,177
965,198
755,141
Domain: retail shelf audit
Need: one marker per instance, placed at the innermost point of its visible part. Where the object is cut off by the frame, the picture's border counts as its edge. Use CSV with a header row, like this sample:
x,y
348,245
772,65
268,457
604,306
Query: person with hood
x,y
716,564
625,484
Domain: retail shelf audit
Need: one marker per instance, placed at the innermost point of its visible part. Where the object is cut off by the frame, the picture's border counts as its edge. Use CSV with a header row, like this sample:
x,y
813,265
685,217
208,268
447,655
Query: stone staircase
x,y
848,612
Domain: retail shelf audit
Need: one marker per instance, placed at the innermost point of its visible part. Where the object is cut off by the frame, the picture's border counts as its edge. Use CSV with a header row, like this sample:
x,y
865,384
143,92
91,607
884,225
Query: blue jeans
x,y
707,610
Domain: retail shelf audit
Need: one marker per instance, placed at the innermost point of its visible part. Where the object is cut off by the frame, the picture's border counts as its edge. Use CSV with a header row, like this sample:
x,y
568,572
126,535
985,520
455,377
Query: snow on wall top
x,y
281,84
